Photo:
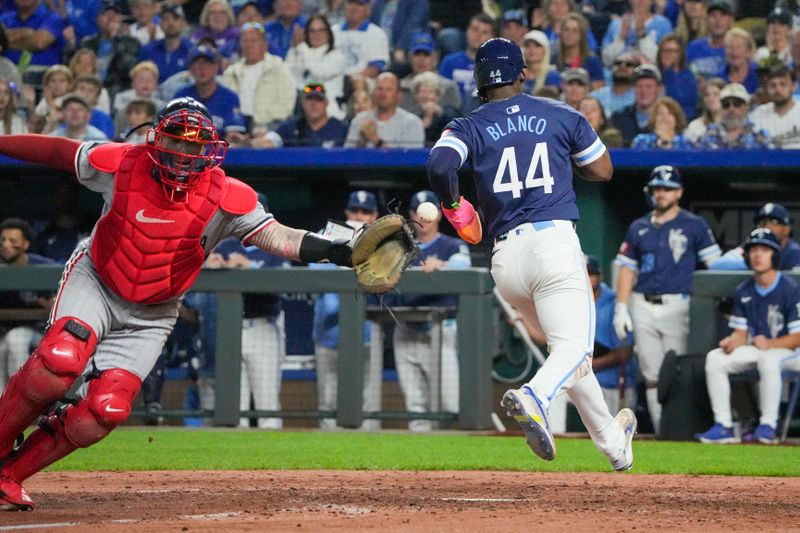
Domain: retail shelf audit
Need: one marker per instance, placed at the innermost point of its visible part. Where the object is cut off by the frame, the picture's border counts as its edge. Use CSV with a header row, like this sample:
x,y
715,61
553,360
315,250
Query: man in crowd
x,y
619,94
34,34
314,127
365,45
288,27
780,117
706,55
514,26
734,129
423,58
575,86
647,87
170,54
90,86
459,66
76,112
387,125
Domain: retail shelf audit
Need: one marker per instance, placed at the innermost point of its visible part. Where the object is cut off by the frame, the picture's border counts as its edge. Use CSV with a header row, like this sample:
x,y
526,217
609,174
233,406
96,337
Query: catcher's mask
x,y
184,144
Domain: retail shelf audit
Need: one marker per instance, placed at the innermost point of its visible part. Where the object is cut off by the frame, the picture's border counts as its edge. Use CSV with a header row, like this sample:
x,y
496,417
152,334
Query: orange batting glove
x,y
465,220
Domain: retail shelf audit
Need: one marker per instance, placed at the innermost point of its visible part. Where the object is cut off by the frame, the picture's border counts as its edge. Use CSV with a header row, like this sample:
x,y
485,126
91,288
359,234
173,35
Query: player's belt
x,y
660,299
533,226
654,299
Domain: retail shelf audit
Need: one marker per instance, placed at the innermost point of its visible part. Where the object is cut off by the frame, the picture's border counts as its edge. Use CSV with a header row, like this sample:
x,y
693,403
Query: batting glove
x,y
622,321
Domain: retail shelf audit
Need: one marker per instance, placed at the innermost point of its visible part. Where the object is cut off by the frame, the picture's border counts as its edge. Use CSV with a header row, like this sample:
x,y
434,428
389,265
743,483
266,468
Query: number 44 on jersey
x,y
509,161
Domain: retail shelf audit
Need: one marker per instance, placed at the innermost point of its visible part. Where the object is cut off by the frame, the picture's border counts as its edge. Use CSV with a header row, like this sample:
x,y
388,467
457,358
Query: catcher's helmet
x,y
773,211
498,62
764,237
184,144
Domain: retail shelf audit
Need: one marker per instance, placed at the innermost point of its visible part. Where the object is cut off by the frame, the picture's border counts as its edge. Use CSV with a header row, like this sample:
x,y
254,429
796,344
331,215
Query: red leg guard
x,y
107,404
45,377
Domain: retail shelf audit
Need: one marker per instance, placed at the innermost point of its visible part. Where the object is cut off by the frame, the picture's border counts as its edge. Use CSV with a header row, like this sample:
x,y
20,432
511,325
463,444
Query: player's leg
x,y
411,354
327,386
770,365
266,370
650,349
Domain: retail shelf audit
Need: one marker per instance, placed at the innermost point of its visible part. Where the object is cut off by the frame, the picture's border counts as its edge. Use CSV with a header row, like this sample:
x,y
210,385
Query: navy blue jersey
x,y
520,150
666,256
772,311
790,256
734,259
450,249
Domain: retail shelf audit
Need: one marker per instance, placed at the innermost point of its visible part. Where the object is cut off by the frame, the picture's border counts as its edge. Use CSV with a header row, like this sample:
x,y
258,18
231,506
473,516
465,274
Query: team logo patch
x,y
678,243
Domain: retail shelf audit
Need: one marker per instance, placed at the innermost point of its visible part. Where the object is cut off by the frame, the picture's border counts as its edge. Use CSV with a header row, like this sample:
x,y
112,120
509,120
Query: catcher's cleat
x,y
626,420
524,407
13,497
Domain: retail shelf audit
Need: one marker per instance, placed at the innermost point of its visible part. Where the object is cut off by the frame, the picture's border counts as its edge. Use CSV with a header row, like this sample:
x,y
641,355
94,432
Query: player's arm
x,y
56,152
625,278
738,337
600,169
790,342
299,245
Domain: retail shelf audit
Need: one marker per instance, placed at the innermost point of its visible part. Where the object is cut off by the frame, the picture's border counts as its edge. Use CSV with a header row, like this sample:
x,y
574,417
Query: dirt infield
x,y
404,501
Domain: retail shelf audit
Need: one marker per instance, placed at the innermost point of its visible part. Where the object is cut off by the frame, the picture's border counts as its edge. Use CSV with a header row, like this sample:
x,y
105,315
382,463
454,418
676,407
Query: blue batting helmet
x,y
764,237
665,176
773,211
498,62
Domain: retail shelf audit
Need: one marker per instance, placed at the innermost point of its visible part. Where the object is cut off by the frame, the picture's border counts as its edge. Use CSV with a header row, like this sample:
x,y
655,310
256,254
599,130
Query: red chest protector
x,y
147,248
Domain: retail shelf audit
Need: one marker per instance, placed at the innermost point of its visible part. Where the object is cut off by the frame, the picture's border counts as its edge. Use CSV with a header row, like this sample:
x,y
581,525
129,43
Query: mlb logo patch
x,y
513,109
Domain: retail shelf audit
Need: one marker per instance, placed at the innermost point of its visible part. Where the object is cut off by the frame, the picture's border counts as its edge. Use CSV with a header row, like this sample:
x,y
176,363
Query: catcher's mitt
x,y
381,253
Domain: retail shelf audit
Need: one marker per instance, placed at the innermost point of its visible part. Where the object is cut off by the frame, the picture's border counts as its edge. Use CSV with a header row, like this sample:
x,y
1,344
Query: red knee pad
x,y
107,404
60,358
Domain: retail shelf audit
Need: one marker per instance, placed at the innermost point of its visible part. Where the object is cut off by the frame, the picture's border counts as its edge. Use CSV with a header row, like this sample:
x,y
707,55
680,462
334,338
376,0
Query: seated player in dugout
x,y
167,204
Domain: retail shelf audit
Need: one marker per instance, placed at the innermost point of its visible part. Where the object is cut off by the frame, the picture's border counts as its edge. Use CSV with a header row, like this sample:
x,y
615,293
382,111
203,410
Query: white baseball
x,y
427,211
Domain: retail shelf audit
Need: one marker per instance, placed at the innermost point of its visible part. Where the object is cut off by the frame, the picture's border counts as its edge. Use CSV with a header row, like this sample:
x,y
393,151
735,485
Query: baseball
x,y
427,211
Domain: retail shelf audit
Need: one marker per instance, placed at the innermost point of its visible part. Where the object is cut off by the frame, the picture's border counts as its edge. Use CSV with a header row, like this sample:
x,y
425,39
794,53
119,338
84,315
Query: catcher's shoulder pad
x,y
107,157
372,236
239,198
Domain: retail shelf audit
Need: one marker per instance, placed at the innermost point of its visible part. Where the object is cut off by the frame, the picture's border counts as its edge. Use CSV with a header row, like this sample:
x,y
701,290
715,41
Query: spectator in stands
x,y
401,20
116,52
222,103
779,44
514,26
734,129
634,119
620,93
314,127
55,84
34,34
387,125
575,86
17,337
218,23
692,21
459,66
739,65
448,24
140,114
90,87
360,101
11,122
365,45
638,30
287,29
780,118
316,60
423,57
539,72
263,82
170,54
766,326
433,113
8,70
706,55
666,126
573,49
793,7
554,12
679,82
80,19
591,108
711,112
145,27
144,82
84,63
76,112
333,11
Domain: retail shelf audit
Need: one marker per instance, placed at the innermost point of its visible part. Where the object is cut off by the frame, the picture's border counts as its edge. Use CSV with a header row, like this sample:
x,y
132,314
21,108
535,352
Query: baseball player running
x,y
521,149
766,333
663,249
167,204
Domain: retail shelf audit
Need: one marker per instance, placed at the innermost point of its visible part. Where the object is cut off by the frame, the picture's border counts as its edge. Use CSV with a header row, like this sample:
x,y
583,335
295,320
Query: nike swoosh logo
x,y
59,351
110,409
643,231
148,220
744,301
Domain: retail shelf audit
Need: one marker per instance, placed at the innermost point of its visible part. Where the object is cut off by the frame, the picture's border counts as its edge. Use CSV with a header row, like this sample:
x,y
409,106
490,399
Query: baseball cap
x,y
314,91
203,51
421,197
174,10
719,5
665,176
734,90
422,42
592,265
113,5
362,200
576,74
780,15
773,211
74,97
515,15
537,37
647,71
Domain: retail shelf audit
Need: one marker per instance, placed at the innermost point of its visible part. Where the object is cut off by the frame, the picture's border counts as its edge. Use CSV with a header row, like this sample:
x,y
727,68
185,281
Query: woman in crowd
x,y
427,92
692,23
679,82
539,72
56,83
554,12
739,65
84,63
11,122
667,123
315,60
591,108
573,49
218,23
712,110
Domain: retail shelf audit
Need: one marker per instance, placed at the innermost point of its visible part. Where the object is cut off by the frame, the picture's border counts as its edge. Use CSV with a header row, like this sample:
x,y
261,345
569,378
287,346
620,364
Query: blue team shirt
x,y
168,63
734,259
450,249
459,67
42,19
82,16
704,59
771,311
520,151
223,105
666,255
279,36
750,82
606,336
295,132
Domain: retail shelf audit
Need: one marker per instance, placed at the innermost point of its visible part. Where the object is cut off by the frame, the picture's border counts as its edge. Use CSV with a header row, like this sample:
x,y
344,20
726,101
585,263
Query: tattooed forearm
x,y
280,240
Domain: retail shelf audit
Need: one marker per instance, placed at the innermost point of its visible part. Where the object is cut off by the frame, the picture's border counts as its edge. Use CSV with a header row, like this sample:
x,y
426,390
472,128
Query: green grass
x,y
178,449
